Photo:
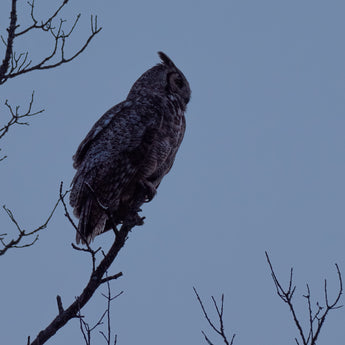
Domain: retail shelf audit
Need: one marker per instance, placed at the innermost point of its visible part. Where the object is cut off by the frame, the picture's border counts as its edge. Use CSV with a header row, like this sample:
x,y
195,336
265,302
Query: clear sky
x,y
261,168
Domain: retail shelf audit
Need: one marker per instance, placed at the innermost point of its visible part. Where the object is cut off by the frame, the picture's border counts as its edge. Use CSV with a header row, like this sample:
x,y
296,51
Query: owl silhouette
x,y
128,151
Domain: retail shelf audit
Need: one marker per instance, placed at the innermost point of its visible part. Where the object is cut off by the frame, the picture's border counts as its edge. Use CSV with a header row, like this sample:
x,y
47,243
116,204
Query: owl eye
x,y
176,82
179,82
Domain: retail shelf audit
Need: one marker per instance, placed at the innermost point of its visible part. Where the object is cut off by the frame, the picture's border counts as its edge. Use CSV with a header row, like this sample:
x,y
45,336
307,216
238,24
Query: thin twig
x,y
316,318
88,248
94,282
44,24
16,117
14,243
87,330
59,303
14,64
219,330
286,296
113,277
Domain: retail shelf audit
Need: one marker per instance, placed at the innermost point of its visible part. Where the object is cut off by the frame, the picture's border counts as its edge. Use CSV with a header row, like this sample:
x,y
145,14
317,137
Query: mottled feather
x,y
128,151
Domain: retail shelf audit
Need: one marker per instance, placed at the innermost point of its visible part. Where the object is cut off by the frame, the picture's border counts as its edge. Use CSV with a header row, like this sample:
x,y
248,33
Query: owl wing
x,y
107,160
96,130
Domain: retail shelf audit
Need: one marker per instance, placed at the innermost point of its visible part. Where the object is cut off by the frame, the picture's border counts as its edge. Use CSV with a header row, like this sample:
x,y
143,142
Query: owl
x,y
128,151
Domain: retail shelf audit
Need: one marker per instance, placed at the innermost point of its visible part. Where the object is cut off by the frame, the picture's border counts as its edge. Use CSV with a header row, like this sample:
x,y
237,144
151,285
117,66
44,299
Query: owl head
x,y
164,79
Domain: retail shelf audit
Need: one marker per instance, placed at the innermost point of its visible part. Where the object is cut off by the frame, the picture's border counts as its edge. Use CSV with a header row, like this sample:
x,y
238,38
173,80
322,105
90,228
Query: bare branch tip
x,y
59,303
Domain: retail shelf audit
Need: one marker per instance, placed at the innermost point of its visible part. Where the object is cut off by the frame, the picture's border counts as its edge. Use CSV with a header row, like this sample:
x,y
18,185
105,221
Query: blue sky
x,y
261,168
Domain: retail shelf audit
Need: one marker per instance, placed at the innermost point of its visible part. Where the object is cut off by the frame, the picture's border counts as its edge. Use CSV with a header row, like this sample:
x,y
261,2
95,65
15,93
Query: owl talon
x,y
140,220
149,190
134,220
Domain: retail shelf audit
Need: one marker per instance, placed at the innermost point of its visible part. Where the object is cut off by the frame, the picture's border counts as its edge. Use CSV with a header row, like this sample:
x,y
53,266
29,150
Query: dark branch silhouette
x,y
9,44
15,64
87,330
16,118
220,312
316,317
97,278
32,235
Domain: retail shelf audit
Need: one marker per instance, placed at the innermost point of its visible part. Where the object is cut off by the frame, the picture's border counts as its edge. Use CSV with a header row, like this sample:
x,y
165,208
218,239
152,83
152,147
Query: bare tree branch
x,y
59,303
316,318
88,248
3,157
15,64
109,278
44,25
218,329
33,234
87,330
96,279
10,38
16,118
109,299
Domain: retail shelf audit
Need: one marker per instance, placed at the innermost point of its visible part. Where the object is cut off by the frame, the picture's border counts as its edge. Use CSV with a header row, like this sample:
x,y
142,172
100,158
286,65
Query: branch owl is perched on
x,y
124,157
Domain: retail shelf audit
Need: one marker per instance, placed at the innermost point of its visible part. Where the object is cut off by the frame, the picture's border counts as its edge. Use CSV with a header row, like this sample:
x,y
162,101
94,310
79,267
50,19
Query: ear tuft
x,y
166,60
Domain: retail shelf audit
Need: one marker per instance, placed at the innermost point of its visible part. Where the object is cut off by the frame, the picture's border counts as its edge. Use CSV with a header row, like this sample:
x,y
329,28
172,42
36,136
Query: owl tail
x,y
92,221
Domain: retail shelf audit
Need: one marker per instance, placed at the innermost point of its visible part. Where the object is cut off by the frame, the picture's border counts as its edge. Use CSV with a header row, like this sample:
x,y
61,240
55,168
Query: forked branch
x,y
105,318
17,118
15,64
88,248
316,315
32,235
218,329
97,278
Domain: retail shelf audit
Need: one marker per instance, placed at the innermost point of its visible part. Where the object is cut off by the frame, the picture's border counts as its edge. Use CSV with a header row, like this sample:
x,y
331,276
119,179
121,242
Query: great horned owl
x,y
124,157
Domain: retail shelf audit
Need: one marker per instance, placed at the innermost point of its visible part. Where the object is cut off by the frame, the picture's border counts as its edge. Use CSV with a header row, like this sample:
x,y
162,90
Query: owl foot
x,y
139,220
149,190
134,220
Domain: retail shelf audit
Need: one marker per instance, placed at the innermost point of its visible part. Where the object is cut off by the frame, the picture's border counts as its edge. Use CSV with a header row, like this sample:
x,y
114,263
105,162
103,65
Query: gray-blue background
x,y
261,168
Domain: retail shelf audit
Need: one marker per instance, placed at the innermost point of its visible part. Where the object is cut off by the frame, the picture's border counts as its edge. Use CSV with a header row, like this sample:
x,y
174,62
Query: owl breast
x,y
166,143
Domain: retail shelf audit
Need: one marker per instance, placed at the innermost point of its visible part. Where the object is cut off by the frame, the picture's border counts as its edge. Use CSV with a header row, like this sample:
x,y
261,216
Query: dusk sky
x,y
261,168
